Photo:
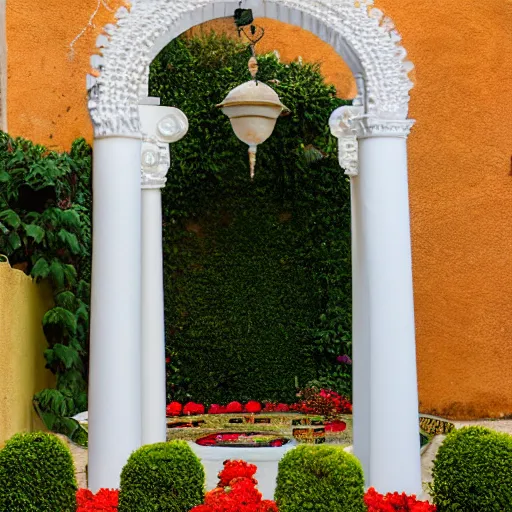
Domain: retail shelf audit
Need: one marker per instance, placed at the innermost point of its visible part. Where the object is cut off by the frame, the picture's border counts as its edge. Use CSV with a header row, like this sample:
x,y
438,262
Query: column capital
x,y
343,125
377,127
160,126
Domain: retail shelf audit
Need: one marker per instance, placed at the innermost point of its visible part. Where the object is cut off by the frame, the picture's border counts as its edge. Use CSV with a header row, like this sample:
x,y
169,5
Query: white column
x,y
114,376
160,126
386,256
343,126
361,374
153,353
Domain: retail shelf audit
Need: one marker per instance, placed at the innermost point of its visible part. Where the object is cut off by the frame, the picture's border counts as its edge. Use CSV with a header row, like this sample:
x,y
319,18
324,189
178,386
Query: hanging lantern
x,y
253,109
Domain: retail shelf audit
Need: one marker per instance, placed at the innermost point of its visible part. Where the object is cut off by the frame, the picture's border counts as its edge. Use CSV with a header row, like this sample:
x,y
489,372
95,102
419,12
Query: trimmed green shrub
x,y
167,477
473,472
321,479
37,475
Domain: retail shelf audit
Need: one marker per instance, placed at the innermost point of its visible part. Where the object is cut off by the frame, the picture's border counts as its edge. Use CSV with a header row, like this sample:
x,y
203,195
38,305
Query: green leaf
x,y
70,219
41,269
4,176
35,232
60,317
70,240
68,356
66,300
56,274
14,241
11,217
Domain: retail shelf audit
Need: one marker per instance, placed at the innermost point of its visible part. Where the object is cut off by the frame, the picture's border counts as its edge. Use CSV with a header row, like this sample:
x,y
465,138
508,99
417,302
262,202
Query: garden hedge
x,y
257,274
37,475
320,478
167,477
473,472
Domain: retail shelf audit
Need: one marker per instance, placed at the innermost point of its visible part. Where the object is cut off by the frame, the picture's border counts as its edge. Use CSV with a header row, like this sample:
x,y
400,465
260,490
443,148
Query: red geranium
x,y
253,407
105,500
193,409
236,469
174,409
335,426
234,407
269,406
282,408
236,491
217,409
394,502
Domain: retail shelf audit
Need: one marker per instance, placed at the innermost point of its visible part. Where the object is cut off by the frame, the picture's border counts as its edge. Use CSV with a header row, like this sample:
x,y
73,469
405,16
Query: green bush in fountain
x,y
167,477
473,472
320,478
37,474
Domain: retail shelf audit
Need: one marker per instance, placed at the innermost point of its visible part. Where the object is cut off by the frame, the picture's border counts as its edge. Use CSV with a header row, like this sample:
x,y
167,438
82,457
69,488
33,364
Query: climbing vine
x,y
257,275
45,230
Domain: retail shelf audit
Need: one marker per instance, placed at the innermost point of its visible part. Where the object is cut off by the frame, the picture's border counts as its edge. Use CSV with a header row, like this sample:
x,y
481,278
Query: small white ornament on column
x,y
160,126
343,126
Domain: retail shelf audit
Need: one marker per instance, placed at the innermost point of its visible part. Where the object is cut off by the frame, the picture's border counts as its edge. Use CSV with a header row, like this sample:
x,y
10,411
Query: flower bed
x,y
321,402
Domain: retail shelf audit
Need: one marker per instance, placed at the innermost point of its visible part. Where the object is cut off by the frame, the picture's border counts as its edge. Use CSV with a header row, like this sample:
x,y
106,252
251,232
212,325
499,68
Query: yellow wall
x,y
460,166
22,343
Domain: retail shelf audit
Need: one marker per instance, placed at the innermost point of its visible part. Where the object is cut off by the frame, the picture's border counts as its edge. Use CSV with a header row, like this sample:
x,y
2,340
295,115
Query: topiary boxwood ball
x,y
37,475
321,479
167,477
473,472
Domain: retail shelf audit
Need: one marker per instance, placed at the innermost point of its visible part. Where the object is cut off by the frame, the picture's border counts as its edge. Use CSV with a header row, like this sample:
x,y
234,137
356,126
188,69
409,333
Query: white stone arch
x,y
372,140
360,33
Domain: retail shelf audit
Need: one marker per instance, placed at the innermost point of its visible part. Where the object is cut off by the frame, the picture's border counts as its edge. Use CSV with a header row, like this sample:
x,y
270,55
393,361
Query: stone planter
x,y
265,458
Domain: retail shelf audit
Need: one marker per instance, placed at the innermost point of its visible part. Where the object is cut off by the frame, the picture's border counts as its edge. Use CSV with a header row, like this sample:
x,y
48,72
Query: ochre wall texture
x,y
22,344
460,166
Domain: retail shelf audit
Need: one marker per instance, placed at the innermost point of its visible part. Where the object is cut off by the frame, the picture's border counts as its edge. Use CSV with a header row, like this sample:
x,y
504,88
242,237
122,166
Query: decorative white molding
x,y
155,162
361,34
343,125
160,127
375,127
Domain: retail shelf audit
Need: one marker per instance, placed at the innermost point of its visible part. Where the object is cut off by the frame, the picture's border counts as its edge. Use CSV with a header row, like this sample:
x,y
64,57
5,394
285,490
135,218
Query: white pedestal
x,y
266,460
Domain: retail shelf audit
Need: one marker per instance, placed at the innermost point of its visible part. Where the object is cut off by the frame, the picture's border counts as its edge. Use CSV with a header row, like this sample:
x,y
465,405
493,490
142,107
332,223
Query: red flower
x,y
105,500
193,409
236,469
236,491
394,502
167,360
234,407
282,408
253,407
173,409
269,407
216,409
335,426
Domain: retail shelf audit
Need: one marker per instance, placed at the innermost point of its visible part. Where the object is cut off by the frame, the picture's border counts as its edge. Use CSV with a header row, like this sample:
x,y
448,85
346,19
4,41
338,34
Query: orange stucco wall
x,y
460,166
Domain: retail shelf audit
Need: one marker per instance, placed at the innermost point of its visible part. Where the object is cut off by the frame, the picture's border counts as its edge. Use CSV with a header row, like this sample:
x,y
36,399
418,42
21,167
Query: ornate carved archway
x,y
372,140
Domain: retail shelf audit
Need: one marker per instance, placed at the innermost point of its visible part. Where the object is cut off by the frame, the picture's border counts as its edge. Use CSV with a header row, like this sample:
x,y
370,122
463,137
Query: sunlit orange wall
x,y
460,167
